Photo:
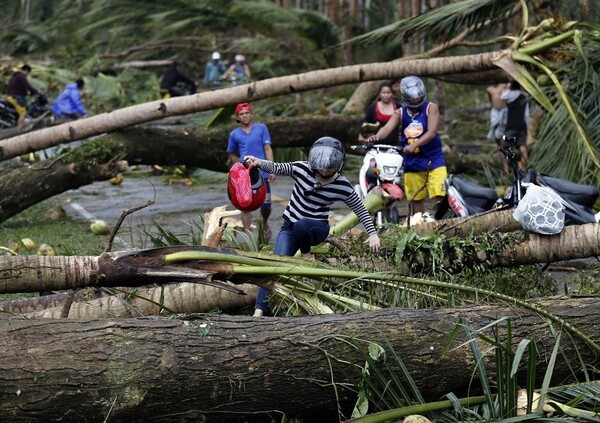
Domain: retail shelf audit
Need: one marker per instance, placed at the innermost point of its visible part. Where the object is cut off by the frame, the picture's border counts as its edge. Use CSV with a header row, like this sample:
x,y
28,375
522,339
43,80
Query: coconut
x,y
28,243
46,250
99,227
117,179
416,418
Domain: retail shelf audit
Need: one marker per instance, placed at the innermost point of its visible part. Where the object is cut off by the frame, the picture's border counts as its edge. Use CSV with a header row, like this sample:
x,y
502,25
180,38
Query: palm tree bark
x,y
366,91
492,221
159,109
172,298
224,366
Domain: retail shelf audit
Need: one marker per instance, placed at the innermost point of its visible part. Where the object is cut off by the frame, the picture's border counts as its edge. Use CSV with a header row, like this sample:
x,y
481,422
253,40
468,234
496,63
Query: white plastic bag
x,y
541,210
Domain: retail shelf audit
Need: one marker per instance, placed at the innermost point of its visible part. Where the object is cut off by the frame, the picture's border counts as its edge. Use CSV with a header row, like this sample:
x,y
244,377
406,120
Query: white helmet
x,y
216,55
239,58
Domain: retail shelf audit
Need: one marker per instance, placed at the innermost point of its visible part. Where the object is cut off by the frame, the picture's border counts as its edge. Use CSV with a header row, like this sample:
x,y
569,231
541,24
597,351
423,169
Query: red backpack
x,y
246,187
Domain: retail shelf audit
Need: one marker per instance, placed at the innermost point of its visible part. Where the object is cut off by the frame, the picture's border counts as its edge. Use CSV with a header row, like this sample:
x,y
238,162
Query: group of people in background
x,y
174,83
66,106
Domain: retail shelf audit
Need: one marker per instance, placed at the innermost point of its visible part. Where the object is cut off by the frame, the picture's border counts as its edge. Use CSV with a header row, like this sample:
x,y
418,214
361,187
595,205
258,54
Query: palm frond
x,y
442,23
561,149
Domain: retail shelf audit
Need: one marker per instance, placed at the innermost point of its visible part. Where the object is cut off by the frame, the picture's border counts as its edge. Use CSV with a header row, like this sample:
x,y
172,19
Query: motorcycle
x,y
382,166
465,198
9,116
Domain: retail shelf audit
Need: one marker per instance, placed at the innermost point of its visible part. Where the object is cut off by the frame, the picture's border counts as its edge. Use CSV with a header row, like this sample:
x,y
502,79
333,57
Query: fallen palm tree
x,y
156,369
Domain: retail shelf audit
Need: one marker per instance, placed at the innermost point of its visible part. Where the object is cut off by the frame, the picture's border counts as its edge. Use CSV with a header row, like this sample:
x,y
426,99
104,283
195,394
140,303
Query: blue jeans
x,y
293,237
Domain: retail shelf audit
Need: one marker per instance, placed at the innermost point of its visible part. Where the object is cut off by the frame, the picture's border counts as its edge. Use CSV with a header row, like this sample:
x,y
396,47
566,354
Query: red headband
x,y
242,106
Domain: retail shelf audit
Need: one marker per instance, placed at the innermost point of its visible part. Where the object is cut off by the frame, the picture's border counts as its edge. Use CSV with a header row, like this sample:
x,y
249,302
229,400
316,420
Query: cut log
x,y
138,370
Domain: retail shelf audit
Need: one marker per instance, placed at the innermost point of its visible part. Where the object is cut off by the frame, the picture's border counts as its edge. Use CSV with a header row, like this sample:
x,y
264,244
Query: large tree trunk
x,y
133,115
223,366
138,268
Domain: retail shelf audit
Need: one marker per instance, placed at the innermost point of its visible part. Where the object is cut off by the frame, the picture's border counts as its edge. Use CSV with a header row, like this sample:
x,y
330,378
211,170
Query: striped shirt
x,y
312,200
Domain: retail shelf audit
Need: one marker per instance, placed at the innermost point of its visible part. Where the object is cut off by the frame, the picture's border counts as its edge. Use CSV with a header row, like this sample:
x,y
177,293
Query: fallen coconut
x,y
99,227
28,243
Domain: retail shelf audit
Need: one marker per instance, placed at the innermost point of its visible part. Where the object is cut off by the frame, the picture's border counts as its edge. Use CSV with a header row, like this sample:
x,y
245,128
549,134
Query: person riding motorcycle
x,y
17,91
170,80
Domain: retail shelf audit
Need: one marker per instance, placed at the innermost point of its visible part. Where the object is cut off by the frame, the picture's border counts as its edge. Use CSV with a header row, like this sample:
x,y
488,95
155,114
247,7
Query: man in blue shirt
x,y
68,104
252,139
214,70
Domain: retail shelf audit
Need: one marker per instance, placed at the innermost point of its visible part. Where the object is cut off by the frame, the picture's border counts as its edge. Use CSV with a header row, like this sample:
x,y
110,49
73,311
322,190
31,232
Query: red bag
x,y
246,187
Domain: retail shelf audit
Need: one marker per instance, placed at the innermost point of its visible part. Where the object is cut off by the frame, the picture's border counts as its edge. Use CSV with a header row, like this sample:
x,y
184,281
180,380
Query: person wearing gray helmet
x,y
424,162
318,183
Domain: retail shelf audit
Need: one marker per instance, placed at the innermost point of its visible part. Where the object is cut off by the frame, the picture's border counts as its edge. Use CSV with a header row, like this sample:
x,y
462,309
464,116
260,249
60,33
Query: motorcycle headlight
x,y
390,170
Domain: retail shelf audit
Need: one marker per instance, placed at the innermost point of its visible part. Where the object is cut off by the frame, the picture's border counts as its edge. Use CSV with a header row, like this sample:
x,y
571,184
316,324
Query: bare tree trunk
x,y
490,222
172,298
139,370
147,112
366,91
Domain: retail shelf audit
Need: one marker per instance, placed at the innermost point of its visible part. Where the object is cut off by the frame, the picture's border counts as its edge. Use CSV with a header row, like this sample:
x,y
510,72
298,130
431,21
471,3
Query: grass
x,y
45,224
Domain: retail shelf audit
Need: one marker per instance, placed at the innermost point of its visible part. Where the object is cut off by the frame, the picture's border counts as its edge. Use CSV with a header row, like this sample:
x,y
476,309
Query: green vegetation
x,y
46,223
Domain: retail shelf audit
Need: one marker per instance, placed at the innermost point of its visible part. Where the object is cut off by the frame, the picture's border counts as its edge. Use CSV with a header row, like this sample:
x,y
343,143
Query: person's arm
x,y
269,156
270,167
234,158
29,87
433,123
388,128
206,71
247,71
353,201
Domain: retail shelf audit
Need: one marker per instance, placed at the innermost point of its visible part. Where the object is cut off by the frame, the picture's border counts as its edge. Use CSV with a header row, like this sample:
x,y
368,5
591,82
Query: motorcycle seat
x,y
584,195
471,189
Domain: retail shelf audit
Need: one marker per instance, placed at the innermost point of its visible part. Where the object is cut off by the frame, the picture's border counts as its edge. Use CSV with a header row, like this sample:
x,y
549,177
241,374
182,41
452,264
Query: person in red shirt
x,y
381,111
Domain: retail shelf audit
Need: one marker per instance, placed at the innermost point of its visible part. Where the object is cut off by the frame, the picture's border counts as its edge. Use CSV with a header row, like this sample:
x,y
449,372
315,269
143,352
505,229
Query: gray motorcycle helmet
x,y
326,153
413,91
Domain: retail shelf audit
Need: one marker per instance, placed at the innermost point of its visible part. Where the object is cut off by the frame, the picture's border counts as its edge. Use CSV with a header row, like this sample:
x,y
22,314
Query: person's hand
x,y
272,177
373,241
373,138
412,147
251,160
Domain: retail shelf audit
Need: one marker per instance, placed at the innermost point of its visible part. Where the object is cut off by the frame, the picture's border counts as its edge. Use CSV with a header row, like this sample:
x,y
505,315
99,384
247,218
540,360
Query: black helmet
x,y
326,153
413,91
